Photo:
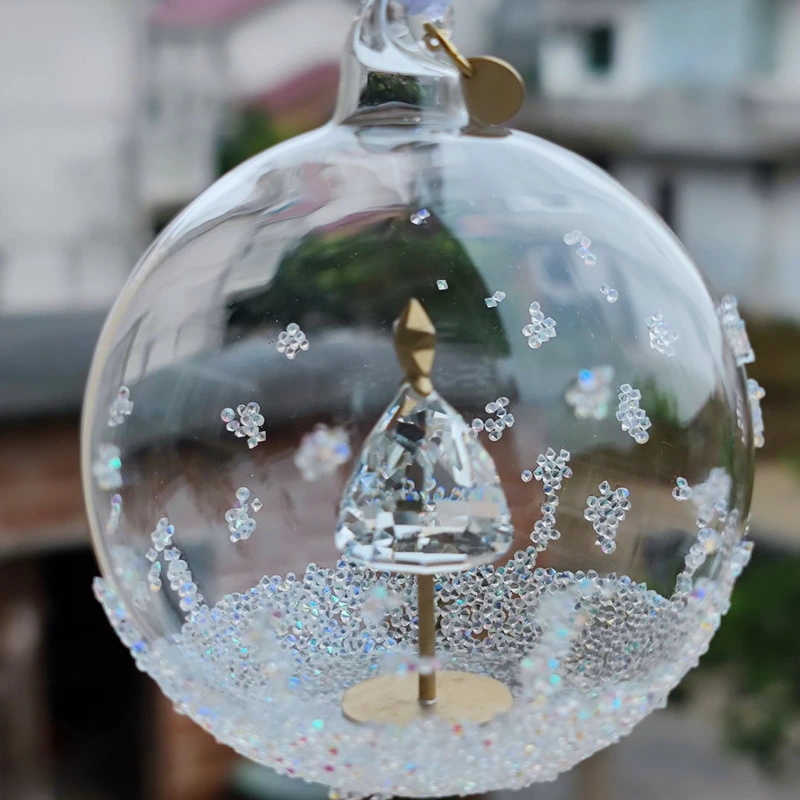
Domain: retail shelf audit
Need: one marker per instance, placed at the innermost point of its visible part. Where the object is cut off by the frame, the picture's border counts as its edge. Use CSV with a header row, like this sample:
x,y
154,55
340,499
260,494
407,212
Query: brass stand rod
x,y
426,611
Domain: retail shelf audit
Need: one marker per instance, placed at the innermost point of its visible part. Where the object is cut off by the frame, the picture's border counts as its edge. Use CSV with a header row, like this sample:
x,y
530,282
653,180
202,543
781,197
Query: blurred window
x,y
600,49
665,201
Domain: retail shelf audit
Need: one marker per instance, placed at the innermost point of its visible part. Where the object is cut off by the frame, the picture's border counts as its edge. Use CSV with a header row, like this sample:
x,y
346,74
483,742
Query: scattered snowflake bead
x,y
421,216
541,329
662,337
572,238
107,467
551,469
162,535
442,286
240,524
495,299
121,408
292,341
631,416
756,394
735,330
591,394
322,452
114,517
682,490
606,513
712,497
495,427
248,425
154,577
611,295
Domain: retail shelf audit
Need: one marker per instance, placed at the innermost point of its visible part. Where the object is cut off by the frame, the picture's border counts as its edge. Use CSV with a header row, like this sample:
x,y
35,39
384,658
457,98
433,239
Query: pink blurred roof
x,y
203,12
319,79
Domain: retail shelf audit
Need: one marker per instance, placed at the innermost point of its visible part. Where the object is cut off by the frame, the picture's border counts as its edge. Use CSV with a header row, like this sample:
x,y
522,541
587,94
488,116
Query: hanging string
x,y
433,8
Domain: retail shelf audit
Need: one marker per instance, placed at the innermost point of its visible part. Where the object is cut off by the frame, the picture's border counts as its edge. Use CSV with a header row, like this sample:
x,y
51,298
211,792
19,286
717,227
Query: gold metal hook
x,y
438,40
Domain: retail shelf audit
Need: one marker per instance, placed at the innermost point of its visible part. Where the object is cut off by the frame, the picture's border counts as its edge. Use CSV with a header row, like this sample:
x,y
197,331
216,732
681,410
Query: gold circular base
x,y
461,697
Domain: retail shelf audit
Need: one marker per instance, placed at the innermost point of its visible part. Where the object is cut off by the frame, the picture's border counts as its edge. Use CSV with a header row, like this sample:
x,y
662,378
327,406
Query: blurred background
x,y
114,114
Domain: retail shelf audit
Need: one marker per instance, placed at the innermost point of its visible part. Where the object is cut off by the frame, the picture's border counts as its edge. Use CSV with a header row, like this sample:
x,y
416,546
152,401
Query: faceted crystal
x,y
390,520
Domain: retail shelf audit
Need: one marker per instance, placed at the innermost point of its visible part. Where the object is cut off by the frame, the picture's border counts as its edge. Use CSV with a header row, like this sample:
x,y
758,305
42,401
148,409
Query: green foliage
x,y
250,133
759,641
385,88
366,279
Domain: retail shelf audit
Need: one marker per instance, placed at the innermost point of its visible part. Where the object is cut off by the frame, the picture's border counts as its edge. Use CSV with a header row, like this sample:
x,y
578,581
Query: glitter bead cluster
x,y
495,299
264,670
591,395
662,337
551,470
240,524
248,425
121,408
755,394
107,467
500,420
322,452
112,526
582,243
292,341
735,330
541,330
632,416
606,513
178,573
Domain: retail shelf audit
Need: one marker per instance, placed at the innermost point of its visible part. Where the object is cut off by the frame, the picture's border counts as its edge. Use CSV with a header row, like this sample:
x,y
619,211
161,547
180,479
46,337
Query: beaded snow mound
x,y
586,657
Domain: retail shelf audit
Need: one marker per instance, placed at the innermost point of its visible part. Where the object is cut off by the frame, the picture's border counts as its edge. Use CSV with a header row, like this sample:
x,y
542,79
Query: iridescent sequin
x,y
420,217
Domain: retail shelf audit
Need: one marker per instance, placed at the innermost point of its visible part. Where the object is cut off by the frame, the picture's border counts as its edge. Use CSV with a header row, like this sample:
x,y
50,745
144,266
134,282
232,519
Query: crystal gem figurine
x,y
425,495
404,580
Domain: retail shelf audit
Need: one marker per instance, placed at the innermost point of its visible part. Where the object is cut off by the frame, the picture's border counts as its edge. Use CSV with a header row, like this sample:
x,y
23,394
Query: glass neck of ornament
x,y
391,77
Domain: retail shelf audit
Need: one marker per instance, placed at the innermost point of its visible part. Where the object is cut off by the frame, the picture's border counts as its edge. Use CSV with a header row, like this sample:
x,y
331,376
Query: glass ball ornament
x,y
539,480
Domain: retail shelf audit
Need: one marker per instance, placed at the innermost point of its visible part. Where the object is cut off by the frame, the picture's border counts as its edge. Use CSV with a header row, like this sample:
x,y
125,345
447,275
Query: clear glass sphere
x,y
250,356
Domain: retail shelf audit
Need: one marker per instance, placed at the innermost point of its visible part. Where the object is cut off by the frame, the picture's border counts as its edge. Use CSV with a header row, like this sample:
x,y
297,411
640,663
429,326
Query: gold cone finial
x,y
415,343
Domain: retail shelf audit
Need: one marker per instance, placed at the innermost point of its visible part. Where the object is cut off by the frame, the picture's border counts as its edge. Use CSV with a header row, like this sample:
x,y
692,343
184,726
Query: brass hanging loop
x,y
494,90
438,40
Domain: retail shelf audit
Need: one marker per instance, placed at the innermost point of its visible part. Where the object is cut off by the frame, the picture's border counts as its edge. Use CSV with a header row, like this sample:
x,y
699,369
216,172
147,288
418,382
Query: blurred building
x,y
695,106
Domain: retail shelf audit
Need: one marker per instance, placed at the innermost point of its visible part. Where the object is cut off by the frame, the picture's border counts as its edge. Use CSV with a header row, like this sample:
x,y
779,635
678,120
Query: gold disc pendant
x,y
495,92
